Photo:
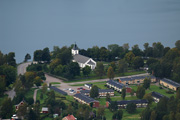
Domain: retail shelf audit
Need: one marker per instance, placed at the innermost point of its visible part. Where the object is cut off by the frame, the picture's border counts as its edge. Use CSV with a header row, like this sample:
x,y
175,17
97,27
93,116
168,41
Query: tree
x,y
65,56
153,115
38,55
172,105
44,88
136,50
100,111
138,62
31,115
132,92
10,59
140,92
2,86
108,98
110,73
99,69
22,110
46,55
29,77
113,106
148,97
158,49
122,66
86,70
94,92
37,81
6,110
123,94
103,54
177,44
117,115
27,57
74,69
161,108
131,107
54,64
113,65
147,83
129,57
146,114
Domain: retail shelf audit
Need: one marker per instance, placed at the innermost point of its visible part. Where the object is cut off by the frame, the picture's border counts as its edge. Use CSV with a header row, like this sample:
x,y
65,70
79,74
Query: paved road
x,y
11,94
22,67
35,94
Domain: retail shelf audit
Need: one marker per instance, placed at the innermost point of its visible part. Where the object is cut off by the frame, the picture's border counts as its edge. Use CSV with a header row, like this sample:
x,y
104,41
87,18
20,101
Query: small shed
x,y
45,110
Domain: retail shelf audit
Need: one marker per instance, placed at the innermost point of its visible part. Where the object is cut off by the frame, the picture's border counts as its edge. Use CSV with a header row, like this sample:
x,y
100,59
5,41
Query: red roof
x,y
70,117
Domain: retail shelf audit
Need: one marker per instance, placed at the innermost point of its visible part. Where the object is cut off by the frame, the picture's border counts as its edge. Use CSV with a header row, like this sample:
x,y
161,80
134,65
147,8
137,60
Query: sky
x,y
29,25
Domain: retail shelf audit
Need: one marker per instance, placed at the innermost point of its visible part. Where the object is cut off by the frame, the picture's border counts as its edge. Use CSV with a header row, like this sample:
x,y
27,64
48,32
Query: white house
x,y
82,60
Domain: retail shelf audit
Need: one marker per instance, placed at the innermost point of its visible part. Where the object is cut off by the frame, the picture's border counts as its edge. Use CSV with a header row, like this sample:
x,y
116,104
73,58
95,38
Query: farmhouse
x,y
82,60
169,84
102,92
117,86
157,96
135,79
124,103
86,100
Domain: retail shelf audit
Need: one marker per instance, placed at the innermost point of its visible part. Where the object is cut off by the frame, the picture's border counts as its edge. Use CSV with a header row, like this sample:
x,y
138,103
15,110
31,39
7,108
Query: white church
x,y
82,60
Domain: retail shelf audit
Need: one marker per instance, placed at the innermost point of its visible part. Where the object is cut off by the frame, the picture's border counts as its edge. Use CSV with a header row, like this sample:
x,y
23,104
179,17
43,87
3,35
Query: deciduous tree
x,y
117,115
6,110
86,70
131,107
138,62
94,91
110,73
147,83
99,69
140,92
123,94
27,57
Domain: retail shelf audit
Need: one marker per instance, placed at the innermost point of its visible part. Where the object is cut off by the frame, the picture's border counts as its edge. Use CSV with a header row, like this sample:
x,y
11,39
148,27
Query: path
x,y
35,94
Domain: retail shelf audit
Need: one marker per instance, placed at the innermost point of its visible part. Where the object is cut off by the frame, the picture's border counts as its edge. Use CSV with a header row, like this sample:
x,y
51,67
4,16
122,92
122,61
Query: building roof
x,y
90,85
44,108
136,78
58,90
117,84
124,102
91,62
85,98
80,58
157,95
126,79
85,91
70,117
100,91
75,47
171,82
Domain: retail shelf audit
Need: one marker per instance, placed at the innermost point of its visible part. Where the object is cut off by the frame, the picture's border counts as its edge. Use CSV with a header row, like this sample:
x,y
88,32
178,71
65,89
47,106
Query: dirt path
x,y
35,95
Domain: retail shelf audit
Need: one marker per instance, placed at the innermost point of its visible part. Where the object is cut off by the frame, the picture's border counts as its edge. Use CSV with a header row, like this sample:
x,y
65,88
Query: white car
x,y
72,91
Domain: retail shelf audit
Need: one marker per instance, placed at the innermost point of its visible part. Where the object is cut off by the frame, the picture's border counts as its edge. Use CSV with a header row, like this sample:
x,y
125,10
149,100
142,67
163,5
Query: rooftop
x,y
84,98
80,58
131,101
117,84
157,95
58,90
171,82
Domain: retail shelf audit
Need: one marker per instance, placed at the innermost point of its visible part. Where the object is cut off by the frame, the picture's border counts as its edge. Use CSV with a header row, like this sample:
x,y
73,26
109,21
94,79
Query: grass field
x,y
55,83
30,93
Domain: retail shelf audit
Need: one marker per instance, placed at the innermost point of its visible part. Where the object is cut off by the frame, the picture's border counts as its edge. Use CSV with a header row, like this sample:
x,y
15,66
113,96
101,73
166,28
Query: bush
x,y
131,107
169,92
160,87
30,101
41,96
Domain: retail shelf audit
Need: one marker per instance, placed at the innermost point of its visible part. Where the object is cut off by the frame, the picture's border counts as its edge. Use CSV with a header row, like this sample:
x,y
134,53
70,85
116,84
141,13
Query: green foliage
x,y
136,51
131,107
27,57
2,86
10,59
147,83
148,97
99,69
140,92
110,73
113,106
129,57
123,94
86,70
94,91
108,98
138,62
146,114
117,115
177,44
42,55
6,109
122,66
113,65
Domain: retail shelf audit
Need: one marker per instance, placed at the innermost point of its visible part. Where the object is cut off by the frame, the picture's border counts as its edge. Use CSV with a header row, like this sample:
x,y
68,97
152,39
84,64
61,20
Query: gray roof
x,y
124,102
136,78
100,91
85,98
75,47
117,84
58,90
91,63
126,79
171,82
157,95
80,58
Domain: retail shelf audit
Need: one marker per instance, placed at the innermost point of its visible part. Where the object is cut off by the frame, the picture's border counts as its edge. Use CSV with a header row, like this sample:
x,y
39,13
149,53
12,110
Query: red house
x,y
45,110
17,106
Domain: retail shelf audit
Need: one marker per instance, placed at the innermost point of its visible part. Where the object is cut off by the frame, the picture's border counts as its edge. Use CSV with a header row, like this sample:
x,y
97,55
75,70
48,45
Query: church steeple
x,y
75,50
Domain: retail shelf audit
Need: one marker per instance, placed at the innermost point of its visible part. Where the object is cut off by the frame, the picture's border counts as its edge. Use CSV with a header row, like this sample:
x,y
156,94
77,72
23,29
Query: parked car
x,y
72,91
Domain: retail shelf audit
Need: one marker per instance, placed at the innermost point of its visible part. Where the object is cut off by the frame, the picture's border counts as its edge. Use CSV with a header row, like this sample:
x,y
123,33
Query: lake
x,y
26,26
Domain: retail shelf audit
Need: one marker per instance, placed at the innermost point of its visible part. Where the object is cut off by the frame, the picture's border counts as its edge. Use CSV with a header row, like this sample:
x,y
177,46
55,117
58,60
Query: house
x,y
18,105
69,117
58,90
124,103
169,84
82,60
118,86
136,79
44,110
86,100
88,85
157,96
102,92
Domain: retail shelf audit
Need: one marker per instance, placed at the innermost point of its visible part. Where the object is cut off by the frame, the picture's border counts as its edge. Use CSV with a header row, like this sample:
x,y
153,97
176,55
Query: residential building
x,y
124,103
45,110
69,117
157,96
102,92
136,79
118,86
86,100
58,90
82,60
18,105
88,85
169,84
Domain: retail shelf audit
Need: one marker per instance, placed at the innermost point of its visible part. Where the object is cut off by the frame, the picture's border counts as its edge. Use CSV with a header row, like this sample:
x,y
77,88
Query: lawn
x,y
41,100
30,93
3,98
55,83
133,116
154,88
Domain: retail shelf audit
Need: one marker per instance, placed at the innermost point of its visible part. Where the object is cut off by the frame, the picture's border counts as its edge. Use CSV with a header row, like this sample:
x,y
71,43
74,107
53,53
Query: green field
x,y
30,93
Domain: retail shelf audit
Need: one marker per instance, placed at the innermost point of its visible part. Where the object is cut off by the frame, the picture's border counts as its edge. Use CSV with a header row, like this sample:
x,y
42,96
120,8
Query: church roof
x,y
75,47
80,58
91,63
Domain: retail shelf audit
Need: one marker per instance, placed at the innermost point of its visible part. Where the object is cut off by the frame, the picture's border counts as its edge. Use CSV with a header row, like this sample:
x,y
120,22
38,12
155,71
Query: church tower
x,y
75,50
